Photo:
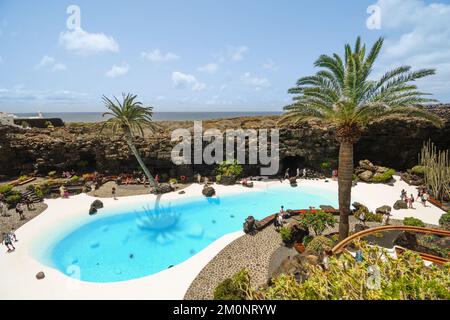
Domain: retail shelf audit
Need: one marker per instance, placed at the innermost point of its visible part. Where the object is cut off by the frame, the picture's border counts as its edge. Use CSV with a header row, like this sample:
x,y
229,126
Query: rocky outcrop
x,y
400,204
208,191
393,142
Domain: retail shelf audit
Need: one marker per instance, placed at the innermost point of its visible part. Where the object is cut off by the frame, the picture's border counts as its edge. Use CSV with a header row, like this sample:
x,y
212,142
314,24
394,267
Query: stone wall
x,y
390,142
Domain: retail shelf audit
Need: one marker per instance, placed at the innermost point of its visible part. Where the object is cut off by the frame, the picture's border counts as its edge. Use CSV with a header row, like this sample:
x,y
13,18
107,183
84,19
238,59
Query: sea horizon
x,y
157,116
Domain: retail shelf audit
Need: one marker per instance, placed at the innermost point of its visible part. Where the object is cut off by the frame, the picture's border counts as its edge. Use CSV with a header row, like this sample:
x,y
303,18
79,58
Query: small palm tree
x,y
342,93
130,117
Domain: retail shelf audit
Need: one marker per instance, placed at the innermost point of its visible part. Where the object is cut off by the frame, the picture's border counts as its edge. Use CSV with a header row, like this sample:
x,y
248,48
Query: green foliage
x,y
41,190
218,178
403,278
22,178
82,164
5,189
319,244
374,217
52,174
286,235
13,199
326,165
411,221
173,181
383,177
419,170
74,179
444,221
49,125
317,221
229,168
307,240
233,288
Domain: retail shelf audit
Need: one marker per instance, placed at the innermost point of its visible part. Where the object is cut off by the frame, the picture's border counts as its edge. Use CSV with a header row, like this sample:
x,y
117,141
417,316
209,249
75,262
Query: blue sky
x,y
199,55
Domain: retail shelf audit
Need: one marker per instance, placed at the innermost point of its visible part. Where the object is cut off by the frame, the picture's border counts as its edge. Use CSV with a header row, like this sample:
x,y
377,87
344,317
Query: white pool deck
x,y
19,268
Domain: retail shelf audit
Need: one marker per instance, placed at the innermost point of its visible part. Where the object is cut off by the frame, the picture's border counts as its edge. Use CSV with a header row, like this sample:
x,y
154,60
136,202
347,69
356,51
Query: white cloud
x,y
18,93
424,40
50,63
117,71
85,43
237,53
251,80
157,56
270,65
209,68
182,80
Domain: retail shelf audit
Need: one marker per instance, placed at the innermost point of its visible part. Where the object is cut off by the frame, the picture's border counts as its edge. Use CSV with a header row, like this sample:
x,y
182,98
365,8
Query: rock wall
x,y
391,142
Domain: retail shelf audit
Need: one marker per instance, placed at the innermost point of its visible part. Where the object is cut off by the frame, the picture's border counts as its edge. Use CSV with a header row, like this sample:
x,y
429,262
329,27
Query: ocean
x,y
157,116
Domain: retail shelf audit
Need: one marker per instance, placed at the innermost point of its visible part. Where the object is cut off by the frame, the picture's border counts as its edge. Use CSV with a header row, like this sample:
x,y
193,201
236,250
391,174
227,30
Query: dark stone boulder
x,y
40,275
400,204
228,180
182,192
208,191
360,227
293,181
359,206
249,225
95,206
299,232
163,188
384,209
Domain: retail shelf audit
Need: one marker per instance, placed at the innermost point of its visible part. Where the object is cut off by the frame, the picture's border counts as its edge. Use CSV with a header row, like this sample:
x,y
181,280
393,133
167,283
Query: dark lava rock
x,y
208,191
384,209
360,227
163,188
400,204
97,204
182,192
249,225
228,180
40,275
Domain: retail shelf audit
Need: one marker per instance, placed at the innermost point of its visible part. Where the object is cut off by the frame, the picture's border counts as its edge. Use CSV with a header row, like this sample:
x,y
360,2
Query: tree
x,y
130,117
342,94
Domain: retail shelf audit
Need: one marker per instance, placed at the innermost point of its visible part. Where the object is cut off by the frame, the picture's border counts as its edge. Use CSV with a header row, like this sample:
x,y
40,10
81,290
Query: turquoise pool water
x,y
144,240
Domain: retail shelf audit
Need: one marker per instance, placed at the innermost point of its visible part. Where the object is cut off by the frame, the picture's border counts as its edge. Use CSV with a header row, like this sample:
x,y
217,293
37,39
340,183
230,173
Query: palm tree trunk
x,y
345,178
129,140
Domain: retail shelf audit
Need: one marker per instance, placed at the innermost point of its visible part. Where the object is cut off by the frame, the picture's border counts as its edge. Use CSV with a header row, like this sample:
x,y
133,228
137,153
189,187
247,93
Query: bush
x,y
74,179
233,288
307,240
317,221
404,277
419,170
286,235
444,221
13,199
326,165
411,221
52,174
173,181
22,178
319,244
218,178
383,177
229,168
374,217
5,189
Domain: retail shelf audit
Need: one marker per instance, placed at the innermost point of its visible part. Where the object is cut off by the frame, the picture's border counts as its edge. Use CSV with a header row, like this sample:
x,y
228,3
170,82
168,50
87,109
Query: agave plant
x,y
343,94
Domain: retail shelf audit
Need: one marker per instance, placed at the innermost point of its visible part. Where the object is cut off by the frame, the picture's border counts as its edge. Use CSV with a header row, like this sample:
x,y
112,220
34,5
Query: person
x,y
298,173
386,217
199,178
362,217
282,210
403,195
93,187
359,256
19,210
3,209
12,235
410,202
424,199
304,172
157,179
7,242
334,175
66,193
286,174
113,191
61,191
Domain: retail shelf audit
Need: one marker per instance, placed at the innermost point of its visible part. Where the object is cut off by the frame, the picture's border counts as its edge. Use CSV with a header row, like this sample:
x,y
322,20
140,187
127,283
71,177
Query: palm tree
x,y
130,117
342,94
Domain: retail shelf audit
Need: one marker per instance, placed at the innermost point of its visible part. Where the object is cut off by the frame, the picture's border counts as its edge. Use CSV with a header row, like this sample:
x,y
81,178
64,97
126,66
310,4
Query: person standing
x,y
286,174
113,192
19,210
3,209
8,242
298,172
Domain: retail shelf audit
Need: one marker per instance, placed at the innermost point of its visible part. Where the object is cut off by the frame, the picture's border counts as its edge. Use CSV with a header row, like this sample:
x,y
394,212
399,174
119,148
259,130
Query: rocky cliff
x,y
392,142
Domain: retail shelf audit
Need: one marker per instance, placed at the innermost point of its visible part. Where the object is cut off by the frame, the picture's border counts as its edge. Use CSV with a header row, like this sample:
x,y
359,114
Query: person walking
x,y
286,174
19,210
113,192
8,242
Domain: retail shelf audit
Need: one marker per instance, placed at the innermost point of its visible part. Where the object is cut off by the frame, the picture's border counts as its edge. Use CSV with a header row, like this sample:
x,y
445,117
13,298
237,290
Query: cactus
x,y
437,169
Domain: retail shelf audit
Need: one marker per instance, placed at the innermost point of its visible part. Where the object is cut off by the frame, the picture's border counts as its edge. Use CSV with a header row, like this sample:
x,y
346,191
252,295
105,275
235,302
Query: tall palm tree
x,y
341,93
130,117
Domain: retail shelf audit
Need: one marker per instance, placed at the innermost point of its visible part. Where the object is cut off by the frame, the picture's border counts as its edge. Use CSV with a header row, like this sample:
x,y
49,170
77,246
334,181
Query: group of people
x,y
422,195
19,210
287,175
8,239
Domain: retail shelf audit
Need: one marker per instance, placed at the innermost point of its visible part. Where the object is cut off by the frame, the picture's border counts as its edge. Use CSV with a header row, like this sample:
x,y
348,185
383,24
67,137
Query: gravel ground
x,y
12,219
125,190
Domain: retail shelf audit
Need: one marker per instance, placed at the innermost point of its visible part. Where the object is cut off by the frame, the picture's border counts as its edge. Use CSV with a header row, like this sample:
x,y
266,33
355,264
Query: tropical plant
x,y
411,221
318,245
286,235
343,94
436,166
419,170
379,276
317,221
130,117
5,189
383,177
229,168
234,288
444,221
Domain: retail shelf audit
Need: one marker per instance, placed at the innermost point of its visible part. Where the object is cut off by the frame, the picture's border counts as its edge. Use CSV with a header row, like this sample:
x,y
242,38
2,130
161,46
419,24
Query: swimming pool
x,y
142,240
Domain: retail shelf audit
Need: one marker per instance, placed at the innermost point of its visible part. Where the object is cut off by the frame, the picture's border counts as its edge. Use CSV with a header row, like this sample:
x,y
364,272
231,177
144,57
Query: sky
x,y
202,55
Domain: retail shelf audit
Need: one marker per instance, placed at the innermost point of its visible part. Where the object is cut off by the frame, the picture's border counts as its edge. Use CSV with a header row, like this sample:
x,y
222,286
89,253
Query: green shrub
x,y
444,221
404,277
307,240
173,181
5,189
74,179
233,288
286,235
218,178
411,221
52,174
229,168
23,178
319,244
383,177
374,217
326,165
13,199
317,221
419,170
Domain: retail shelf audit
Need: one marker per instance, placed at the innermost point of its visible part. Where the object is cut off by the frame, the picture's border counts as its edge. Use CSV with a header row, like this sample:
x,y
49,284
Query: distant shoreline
x,y
90,117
